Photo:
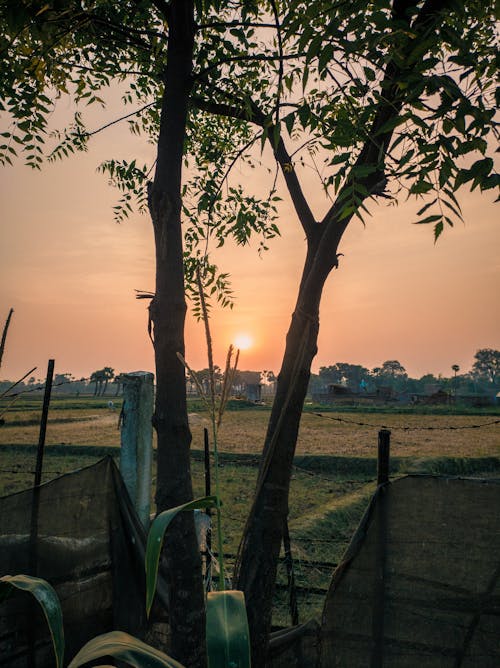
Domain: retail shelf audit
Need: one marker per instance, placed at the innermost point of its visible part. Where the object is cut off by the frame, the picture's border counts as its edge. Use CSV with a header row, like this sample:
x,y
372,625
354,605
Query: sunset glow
x,y
243,341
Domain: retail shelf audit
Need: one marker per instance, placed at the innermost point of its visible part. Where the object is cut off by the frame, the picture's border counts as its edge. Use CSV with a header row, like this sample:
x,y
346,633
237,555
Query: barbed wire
x,y
406,427
39,388
44,472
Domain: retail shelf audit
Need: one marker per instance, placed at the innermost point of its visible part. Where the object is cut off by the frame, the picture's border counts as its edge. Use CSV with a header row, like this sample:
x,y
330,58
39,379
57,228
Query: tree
x,y
487,365
70,48
391,95
108,374
455,368
96,377
392,373
393,114
354,376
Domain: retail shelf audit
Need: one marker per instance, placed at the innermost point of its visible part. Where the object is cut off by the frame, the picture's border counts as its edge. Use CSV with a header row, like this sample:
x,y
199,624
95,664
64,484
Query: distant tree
x,y
101,377
97,378
108,374
342,373
392,374
62,383
118,381
455,368
487,365
203,376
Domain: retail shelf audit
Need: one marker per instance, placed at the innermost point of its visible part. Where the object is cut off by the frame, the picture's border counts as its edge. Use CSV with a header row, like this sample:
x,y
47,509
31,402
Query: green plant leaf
x,y
155,541
47,598
228,638
126,648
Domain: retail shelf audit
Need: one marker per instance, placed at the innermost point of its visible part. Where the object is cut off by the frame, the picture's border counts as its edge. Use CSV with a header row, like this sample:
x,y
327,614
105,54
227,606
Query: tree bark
x,y
259,550
167,311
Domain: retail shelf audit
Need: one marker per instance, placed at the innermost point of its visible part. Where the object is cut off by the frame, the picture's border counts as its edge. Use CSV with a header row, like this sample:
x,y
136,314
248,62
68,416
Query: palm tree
x,y
107,374
455,369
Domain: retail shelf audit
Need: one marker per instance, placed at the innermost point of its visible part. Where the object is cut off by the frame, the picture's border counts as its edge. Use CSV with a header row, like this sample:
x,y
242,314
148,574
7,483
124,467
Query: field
x,y
333,478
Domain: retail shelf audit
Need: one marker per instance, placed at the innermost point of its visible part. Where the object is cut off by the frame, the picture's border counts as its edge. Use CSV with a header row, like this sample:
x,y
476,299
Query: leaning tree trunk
x,y
167,312
260,547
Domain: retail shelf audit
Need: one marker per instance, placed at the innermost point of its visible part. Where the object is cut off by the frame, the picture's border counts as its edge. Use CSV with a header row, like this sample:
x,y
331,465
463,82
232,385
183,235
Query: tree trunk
x,y
168,309
260,546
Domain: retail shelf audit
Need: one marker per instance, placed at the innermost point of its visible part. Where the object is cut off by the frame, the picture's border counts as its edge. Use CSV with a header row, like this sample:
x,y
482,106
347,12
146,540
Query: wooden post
x,y
294,611
35,506
208,492
43,423
384,446
136,455
4,334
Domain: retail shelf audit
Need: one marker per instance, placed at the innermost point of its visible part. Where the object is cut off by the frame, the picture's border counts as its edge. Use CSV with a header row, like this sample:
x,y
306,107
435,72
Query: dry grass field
x,y
325,504
243,431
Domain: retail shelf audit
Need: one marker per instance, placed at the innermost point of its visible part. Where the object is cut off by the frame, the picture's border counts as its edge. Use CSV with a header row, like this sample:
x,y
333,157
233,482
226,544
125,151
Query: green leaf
x,y
438,228
48,600
369,73
429,219
126,648
426,206
228,638
155,541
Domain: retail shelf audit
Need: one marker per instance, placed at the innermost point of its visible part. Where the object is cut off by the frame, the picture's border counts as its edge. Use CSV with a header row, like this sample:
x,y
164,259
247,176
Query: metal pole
x,y
384,446
43,423
136,454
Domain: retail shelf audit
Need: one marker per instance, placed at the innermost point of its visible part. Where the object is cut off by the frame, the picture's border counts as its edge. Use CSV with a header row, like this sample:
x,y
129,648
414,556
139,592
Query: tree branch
x,y
253,114
375,148
234,59
234,24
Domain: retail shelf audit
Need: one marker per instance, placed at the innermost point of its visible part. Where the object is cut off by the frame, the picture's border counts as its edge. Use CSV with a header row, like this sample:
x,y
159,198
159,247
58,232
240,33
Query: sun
x,y
243,341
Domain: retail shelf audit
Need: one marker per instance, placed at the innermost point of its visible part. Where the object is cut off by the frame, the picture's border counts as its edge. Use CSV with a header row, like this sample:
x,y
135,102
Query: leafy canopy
x,y
376,98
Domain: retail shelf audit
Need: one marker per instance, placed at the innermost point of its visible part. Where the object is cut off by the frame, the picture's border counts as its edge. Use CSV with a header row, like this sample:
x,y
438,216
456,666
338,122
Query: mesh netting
x,y
419,585
86,541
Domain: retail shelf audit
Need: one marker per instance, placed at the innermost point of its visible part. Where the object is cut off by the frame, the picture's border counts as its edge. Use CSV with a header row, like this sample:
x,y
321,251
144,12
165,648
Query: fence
x,y
310,553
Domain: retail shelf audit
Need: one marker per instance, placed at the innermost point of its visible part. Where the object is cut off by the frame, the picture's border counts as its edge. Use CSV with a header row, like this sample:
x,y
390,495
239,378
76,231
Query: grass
x,y
331,483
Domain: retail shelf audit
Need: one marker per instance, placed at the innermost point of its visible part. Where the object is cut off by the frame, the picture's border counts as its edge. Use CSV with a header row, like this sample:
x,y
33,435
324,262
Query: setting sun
x,y
243,341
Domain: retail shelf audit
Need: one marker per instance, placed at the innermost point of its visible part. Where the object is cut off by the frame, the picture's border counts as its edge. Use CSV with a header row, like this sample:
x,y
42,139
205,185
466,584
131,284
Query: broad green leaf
x,y
48,600
228,638
126,648
155,541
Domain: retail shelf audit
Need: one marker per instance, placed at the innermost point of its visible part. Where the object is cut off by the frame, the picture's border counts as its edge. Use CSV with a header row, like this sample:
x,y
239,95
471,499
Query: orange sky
x,y
70,273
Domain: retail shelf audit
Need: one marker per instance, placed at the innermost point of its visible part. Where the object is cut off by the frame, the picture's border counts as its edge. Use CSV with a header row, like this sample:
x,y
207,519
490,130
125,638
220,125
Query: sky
x,y
70,274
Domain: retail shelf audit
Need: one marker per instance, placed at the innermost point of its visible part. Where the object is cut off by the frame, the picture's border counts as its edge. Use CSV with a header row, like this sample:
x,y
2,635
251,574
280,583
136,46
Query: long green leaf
x,y
126,648
228,638
155,541
49,602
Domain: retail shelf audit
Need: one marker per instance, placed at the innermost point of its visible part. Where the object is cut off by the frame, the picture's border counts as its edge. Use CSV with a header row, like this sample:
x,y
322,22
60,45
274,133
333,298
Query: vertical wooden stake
x,y
136,454
208,492
384,446
4,334
43,423
294,611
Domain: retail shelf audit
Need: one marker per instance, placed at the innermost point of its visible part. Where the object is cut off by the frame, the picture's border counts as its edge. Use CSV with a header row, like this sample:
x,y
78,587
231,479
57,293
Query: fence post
x,y
208,492
43,422
136,455
384,446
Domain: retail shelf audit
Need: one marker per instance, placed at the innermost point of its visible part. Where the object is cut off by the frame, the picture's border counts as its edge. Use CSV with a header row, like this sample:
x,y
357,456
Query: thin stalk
x,y
220,541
